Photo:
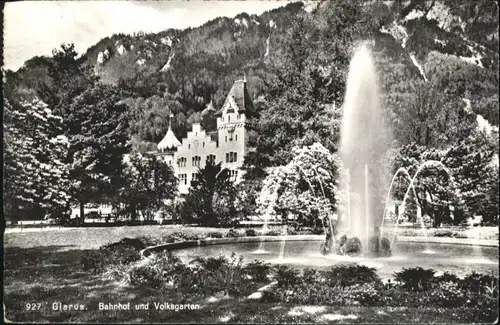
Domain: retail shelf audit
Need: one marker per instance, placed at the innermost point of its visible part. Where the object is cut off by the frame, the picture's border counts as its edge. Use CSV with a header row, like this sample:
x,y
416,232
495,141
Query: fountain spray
x,y
364,142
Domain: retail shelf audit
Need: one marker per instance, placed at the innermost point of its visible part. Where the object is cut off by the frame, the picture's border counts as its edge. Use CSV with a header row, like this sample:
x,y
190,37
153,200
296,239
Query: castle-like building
x,y
227,145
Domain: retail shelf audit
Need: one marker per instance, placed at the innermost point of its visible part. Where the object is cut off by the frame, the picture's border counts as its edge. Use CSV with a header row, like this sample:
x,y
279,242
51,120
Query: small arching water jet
x,y
269,191
401,170
422,166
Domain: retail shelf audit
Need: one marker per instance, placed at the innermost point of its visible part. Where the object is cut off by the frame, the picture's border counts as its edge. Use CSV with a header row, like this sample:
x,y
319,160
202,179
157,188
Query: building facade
x,y
227,145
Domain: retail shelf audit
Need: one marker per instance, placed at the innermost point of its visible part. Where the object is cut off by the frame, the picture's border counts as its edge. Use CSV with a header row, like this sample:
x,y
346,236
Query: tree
x,y
67,78
434,186
148,181
430,118
306,188
211,197
247,191
466,179
476,176
98,138
36,177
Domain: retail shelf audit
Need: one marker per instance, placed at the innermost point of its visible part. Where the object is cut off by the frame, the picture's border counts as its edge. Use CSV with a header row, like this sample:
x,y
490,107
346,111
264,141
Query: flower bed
x,y
353,285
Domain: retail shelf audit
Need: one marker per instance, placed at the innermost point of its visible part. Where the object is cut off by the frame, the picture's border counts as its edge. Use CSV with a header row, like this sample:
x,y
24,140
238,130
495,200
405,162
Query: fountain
x,y
364,142
358,228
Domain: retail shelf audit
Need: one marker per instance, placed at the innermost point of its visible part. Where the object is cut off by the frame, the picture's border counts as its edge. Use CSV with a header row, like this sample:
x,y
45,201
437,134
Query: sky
x,y
36,27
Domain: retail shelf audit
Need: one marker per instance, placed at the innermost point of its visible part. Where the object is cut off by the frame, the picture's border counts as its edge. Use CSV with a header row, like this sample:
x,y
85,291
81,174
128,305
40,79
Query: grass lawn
x,y
92,238
44,267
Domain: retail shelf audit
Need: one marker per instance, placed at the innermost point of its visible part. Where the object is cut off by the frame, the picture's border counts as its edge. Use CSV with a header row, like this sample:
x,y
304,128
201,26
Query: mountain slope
x,y
452,44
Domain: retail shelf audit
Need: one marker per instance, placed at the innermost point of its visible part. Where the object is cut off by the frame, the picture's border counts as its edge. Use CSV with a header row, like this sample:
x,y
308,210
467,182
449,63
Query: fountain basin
x,y
456,255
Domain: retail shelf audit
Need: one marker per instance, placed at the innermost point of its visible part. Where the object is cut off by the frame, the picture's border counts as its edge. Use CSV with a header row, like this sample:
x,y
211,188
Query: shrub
x,y
415,279
146,274
290,230
211,263
479,282
306,232
219,274
156,270
310,276
348,275
117,272
487,310
396,297
362,294
272,232
317,231
461,235
215,235
250,232
447,294
137,243
257,270
176,237
286,276
233,233
443,233
271,296
315,293
447,277
123,252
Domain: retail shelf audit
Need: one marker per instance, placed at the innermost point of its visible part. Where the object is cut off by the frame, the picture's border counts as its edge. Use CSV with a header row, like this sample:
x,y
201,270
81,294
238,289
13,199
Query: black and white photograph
x,y
259,161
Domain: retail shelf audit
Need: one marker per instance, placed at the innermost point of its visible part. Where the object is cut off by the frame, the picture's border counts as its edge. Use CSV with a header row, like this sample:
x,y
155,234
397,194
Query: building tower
x,y
231,128
168,145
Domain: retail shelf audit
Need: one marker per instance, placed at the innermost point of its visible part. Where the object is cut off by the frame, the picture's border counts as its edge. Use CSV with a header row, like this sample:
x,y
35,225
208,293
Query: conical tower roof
x,y
169,141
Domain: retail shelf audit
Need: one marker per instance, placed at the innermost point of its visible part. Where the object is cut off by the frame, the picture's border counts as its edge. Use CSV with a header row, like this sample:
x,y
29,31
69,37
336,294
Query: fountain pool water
x,y
458,259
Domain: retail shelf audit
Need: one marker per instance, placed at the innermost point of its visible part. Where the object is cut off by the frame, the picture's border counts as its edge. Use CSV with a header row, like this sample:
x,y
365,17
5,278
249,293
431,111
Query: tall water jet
x,y
364,142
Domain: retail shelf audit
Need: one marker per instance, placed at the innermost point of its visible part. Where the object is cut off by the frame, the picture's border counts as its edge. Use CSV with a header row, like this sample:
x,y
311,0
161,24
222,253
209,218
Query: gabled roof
x,y
169,142
241,98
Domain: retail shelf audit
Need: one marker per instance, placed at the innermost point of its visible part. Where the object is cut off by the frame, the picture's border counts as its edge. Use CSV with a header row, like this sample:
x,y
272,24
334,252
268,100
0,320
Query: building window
x,y
189,146
229,118
235,137
234,175
194,177
183,179
203,144
226,138
182,162
196,161
170,162
211,159
231,157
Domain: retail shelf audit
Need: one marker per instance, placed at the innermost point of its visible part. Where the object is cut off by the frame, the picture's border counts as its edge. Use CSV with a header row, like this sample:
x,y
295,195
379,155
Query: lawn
x,y
92,238
45,267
